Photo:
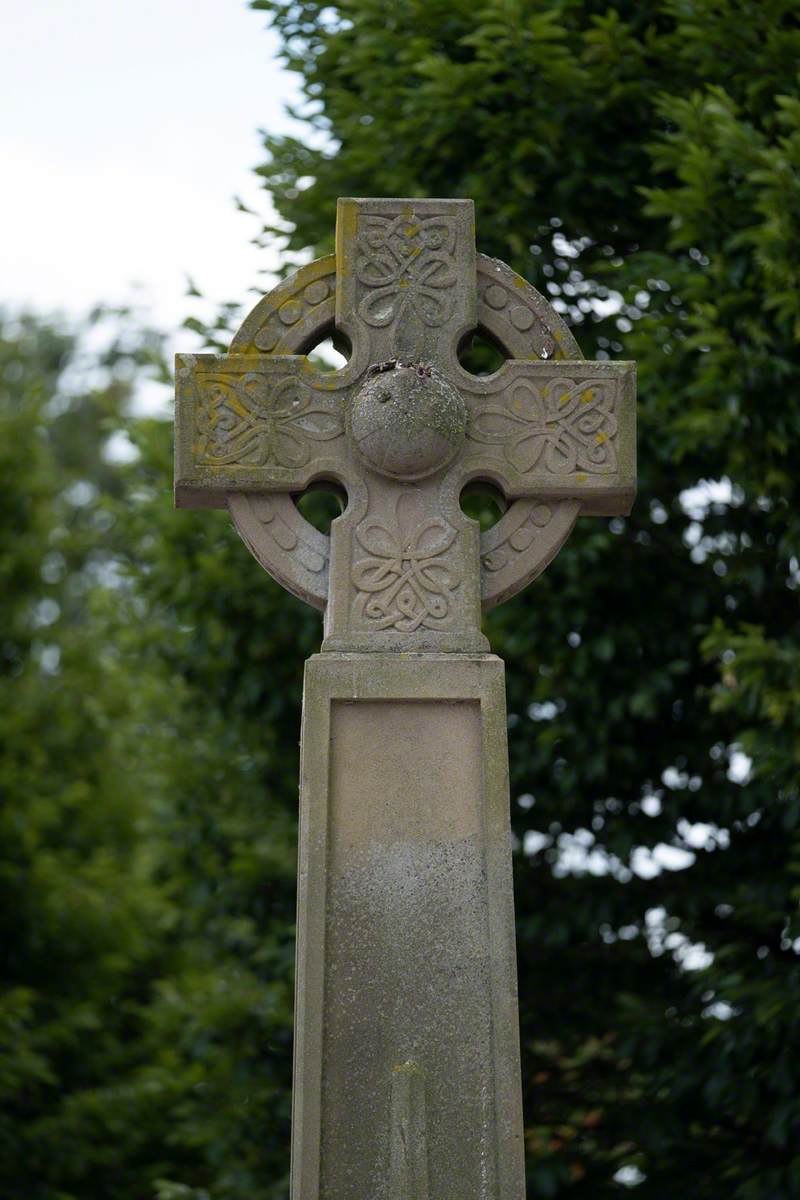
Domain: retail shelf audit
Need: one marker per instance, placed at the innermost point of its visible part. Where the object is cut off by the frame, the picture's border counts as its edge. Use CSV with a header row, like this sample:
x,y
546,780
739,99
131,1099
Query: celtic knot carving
x,y
407,263
254,421
565,426
404,583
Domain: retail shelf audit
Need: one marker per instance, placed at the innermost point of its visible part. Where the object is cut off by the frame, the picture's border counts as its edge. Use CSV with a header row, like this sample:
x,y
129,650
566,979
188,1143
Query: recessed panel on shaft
x,y
411,1075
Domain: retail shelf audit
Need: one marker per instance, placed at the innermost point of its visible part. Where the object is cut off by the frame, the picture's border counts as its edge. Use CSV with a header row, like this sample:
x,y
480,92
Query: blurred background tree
x,y
84,919
639,164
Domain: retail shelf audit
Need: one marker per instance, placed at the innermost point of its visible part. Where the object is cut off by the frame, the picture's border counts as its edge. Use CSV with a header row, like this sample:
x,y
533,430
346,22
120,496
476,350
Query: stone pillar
x,y
407,1080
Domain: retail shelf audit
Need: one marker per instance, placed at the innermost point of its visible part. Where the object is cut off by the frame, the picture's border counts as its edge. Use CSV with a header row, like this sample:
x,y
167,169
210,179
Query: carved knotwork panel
x,y
405,283
562,426
405,264
254,422
258,421
402,574
558,433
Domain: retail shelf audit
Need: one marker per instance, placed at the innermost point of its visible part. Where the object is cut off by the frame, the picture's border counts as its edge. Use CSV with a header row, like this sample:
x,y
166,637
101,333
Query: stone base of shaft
x,y
407,1078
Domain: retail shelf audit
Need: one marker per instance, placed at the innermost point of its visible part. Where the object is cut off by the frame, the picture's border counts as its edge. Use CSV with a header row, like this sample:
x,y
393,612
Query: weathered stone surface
x,y
407,1082
406,1058
407,421
403,428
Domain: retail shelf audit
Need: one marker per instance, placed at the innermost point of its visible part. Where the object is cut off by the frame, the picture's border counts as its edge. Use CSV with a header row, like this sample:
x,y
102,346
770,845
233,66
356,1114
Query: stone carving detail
x,y
508,426
404,583
564,426
268,513
519,540
517,310
406,263
291,312
279,537
500,291
255,421
407,421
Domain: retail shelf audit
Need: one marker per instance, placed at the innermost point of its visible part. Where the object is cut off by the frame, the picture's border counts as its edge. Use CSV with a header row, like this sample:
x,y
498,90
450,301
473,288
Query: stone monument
x,y
407,1075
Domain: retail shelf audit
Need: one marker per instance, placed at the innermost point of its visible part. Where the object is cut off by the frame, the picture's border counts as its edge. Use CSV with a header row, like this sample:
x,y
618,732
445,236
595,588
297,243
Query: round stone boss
x,y
407,421
298,314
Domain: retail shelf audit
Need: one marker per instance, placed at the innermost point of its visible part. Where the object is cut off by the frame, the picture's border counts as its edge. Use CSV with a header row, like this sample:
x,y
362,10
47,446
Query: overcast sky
x,y
128,126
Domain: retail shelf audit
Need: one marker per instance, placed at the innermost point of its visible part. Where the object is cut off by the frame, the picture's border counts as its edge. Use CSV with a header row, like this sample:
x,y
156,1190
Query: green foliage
x,y
82,913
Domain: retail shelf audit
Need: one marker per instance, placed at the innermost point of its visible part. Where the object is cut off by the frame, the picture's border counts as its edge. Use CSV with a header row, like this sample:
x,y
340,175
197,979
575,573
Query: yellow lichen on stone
x,y
346,229
305,275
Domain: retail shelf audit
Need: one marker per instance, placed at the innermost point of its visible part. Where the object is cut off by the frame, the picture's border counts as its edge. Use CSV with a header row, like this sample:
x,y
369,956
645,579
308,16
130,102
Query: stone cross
x,y
407,1077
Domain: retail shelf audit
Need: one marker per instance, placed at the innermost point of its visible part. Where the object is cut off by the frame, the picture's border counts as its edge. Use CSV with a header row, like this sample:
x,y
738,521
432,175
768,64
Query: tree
x,y
83,915
640,165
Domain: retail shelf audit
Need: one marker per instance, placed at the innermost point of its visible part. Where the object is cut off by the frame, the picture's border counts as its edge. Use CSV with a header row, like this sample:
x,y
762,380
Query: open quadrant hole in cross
x,y
321,503
482,354
330,353
483,501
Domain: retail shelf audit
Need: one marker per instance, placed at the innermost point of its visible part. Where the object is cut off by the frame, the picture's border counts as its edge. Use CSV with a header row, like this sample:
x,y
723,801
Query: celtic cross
x,y
403,428
407,1076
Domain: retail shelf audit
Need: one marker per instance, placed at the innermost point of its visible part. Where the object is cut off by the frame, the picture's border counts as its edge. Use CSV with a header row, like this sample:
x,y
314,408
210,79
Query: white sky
x,y
128,126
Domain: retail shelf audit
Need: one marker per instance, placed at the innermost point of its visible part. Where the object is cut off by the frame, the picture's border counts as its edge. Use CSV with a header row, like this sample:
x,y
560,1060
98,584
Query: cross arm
x,y
253,423
559,430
